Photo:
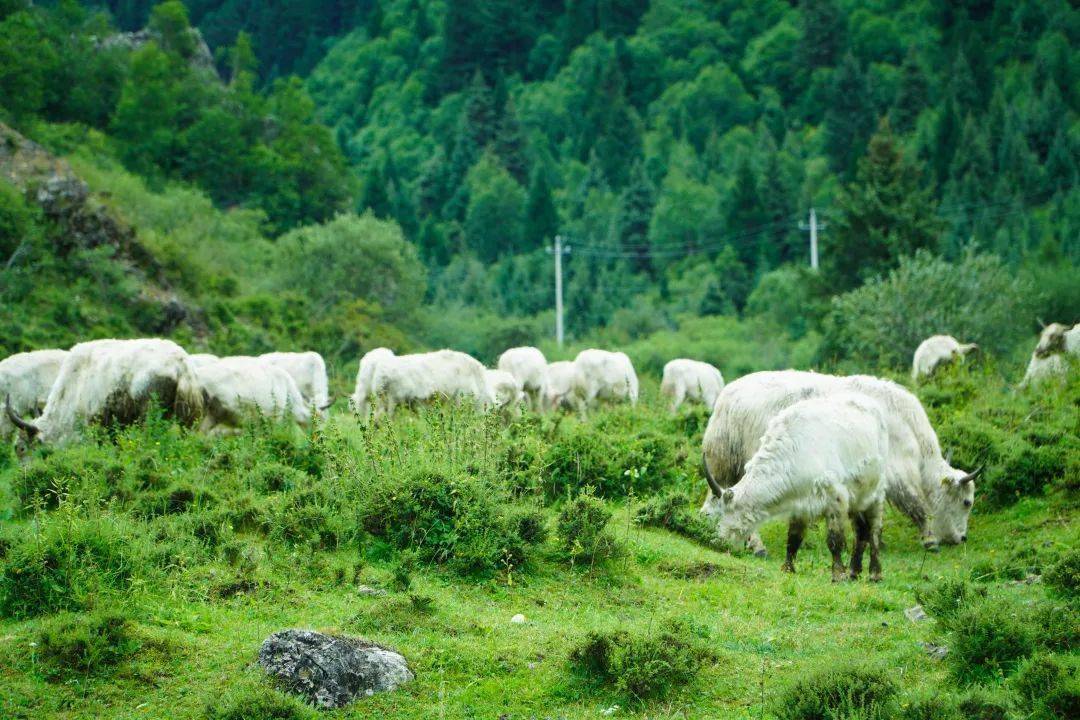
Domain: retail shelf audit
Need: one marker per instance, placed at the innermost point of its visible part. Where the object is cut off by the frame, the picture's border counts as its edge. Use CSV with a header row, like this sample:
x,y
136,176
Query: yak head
x,y
1051,341
952,505
30,431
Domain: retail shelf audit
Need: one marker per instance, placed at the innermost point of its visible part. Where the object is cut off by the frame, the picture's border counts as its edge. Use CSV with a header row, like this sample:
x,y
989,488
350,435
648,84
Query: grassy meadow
x,y
140,571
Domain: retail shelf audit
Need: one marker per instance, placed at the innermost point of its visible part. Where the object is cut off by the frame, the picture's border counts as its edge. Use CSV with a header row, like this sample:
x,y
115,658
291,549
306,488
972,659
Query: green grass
x,y
228,540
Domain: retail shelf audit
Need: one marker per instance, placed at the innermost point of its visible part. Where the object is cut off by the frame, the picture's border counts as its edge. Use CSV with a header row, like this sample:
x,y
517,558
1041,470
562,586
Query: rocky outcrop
x,y
329,670
201,58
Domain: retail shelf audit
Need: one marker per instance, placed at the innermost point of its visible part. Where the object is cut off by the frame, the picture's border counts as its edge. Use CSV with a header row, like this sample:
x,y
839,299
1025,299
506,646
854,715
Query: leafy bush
x,y
673,511
85,643
257,704
1049,686
988,638
582,528
851,692
980,703
63,562
929,705
1064,575
977,299
947,597
448,518
641,665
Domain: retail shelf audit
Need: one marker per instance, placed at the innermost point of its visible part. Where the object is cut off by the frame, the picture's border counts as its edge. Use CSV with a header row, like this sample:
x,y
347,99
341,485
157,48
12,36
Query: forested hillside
x,y
676,146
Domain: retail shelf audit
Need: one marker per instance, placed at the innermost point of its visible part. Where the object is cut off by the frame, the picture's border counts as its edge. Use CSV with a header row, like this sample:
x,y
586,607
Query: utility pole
x,y
813,227
558,251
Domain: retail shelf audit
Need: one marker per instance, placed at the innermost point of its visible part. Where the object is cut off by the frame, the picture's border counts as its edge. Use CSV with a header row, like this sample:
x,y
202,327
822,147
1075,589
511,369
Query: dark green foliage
x,y
448,519
988,638
16,220
1063,576
933,705
1049,686
674,511
948,597
582,530
851,692
85,643
257,703
642,665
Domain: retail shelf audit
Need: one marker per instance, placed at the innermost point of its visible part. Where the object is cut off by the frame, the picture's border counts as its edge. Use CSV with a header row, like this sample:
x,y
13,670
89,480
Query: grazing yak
x,y
529,366
237,389
565,387
505,390
936,351
606,376
1050,359
424,377
824,456
114,381
308,370
919,481
25,381
360,401
691,380
198,359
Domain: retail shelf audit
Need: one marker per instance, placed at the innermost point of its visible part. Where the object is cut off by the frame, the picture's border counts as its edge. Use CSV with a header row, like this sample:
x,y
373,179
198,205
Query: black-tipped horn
x,y
29,428
713,485
329,403
970,476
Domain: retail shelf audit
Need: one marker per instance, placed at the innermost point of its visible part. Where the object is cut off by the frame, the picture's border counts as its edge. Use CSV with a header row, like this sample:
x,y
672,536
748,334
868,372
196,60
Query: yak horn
x,y
970,476
713,485
29,428
328,404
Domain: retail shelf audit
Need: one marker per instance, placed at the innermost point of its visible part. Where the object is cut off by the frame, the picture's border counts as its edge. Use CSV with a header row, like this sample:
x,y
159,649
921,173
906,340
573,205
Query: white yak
x,y
25,380
505,390
607,376
529,366
691,380
424,377
936,351
237,389
308,370
821,457
1050,359
360,401
565,387
919,481
114,381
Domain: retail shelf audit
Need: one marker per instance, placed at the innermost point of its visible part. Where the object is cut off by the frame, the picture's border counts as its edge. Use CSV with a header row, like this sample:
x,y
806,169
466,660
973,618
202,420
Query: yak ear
x,y
1041,323
729,495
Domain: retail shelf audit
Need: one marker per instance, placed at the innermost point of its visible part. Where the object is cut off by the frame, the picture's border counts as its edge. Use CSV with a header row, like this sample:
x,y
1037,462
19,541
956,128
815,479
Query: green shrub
x,y
582,528
452,519
851,692
85,643
988,638
980,703
63,562
1056,625
929,705
1063,576
641,665
945,598
673,511
1049,686
257,704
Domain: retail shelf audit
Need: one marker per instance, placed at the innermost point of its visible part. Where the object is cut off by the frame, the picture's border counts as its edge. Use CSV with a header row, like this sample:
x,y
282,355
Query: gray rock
x,y
916,614
936,652
331,671
372,591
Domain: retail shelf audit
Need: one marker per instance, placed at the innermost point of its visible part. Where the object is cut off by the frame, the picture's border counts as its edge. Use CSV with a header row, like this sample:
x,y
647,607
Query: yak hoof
x,y
788,568
875,578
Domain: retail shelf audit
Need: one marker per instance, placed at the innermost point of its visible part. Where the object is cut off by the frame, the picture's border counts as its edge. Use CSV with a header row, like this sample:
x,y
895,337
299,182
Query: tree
x,y
635,211
884,215
822,38
26,61
913,94
509,144
169,21
849,121
541,217
746,214
496,211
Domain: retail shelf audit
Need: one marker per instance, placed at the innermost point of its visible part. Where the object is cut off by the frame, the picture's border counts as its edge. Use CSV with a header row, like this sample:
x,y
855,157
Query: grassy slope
x,y
767,627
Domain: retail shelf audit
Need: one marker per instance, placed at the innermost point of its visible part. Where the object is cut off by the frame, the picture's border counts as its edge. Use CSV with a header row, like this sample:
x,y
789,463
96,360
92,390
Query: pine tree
x,y
913,94
884,214
541,217
849,121
1061,166
509,143
946,137
822,39
778,205
635,212
747,214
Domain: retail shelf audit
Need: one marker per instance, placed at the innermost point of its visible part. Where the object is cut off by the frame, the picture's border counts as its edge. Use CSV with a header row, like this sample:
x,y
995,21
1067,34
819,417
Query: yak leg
x,y
875,516
860,523
836,540
795,531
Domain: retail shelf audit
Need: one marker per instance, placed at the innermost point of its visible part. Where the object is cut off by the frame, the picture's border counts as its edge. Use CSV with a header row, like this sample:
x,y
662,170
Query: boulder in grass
x,y
331,670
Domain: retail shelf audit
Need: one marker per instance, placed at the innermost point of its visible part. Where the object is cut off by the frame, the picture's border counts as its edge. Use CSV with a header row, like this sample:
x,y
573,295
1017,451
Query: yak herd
x,y
791,444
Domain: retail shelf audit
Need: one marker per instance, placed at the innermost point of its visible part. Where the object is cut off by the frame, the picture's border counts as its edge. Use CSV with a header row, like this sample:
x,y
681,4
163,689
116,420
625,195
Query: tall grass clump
x,y
988,639
674,511
85,643
256,703
642,665
1049,686
1063,576
583,532
847,692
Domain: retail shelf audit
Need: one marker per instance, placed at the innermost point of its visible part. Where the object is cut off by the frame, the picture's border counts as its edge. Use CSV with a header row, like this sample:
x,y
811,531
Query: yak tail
x,y
189,405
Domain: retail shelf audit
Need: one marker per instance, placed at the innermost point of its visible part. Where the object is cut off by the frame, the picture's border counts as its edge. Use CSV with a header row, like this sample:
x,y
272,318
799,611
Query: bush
x,y
85,643
642,666
582,530
930,706
1063,576
982,704
853,692
948,596
673,511
1048,686
257,704
448,518
988,639
64,563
